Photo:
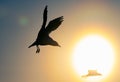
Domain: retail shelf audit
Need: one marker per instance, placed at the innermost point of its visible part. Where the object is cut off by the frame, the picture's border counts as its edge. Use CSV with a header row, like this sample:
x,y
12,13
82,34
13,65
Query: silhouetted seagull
x,y
43,37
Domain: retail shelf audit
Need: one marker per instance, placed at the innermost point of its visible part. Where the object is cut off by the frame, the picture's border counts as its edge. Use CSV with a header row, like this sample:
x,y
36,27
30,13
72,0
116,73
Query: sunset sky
x,y
21,20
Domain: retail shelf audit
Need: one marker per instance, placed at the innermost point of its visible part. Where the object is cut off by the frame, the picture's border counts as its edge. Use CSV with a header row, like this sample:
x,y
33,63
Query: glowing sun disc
x,y
93,52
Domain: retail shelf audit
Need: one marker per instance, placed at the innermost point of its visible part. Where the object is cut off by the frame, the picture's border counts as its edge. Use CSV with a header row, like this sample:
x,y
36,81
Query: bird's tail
x,y
32,45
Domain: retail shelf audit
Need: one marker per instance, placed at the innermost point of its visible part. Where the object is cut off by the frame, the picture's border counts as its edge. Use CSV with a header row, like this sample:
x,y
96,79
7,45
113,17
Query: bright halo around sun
x,y
93,57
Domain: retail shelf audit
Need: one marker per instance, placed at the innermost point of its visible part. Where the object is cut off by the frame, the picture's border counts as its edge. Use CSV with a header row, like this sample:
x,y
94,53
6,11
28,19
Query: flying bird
x,y
43,37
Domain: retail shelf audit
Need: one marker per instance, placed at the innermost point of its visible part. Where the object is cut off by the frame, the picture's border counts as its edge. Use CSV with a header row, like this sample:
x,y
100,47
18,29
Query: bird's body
x,y
43,37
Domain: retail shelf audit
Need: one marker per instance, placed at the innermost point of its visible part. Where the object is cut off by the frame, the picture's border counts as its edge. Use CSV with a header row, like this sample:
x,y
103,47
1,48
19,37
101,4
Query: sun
x,y
93,56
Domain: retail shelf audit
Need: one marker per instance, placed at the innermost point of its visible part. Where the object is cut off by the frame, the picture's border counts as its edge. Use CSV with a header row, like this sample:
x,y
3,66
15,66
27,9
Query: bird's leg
x,y
38,49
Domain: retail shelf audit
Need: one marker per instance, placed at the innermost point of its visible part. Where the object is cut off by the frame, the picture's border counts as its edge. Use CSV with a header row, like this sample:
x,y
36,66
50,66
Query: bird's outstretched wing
x,y
54,24
44,22
44,17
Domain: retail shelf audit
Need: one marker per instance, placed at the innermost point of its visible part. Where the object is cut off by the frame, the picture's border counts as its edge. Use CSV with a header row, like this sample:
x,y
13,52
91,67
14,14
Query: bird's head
x,y
56,44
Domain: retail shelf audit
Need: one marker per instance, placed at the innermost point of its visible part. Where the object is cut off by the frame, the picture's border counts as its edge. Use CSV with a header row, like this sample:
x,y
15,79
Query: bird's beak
x,y
59,46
